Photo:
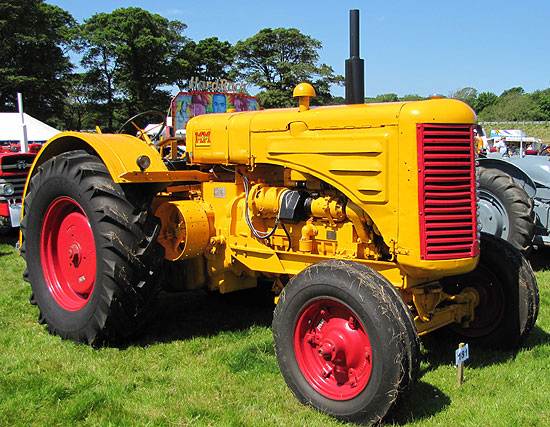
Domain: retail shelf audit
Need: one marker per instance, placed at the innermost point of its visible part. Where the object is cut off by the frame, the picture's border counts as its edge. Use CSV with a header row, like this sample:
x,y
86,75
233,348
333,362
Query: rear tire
x,y
506,211
91,251
342,342
508,295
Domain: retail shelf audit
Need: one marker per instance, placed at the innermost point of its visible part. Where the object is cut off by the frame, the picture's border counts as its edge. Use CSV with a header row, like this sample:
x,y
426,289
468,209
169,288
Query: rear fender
x,y
119,152
515,172
537,167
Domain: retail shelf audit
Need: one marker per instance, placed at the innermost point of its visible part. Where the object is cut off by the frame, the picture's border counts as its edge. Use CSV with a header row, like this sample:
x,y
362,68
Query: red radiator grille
x,y
447,193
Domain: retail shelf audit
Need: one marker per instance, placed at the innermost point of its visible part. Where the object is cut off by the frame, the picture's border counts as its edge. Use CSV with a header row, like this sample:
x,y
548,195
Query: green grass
x,y
210,361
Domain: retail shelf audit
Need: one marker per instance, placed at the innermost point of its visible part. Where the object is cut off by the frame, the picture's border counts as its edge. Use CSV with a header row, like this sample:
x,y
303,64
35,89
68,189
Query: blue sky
x,y
409,47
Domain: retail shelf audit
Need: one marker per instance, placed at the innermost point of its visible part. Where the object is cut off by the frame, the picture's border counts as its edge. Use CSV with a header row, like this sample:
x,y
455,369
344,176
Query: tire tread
x,y
132,259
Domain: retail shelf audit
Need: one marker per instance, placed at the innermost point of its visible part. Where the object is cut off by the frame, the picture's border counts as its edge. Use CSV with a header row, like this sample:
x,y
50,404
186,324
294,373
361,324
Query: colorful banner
x,y
186,105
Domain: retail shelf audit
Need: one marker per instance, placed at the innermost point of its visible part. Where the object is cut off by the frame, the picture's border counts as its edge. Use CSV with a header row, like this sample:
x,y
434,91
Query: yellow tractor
x,y
362,219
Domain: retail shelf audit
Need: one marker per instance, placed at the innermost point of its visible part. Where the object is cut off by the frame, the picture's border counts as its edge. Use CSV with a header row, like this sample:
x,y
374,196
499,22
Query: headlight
x,y
143,162
7,189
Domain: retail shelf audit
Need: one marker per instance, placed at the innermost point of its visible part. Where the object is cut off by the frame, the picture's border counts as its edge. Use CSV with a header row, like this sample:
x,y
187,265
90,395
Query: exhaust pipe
x,y
355,67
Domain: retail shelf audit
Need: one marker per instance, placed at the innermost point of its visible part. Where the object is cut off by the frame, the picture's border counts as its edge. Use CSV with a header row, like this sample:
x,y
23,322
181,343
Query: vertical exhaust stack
x,y
355,67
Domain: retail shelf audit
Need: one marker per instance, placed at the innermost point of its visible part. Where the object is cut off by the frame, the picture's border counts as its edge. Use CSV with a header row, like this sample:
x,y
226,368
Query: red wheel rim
x,y
332,349
68,254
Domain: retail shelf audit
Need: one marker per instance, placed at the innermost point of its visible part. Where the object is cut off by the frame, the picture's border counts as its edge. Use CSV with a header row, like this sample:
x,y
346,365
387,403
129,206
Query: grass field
x,y
210,361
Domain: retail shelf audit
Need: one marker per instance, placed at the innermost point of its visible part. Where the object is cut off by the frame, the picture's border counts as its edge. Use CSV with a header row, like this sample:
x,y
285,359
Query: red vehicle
x,y
14,167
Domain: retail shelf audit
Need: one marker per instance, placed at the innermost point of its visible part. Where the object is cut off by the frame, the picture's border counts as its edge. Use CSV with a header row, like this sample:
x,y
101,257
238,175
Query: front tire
x,y
341,341
91,251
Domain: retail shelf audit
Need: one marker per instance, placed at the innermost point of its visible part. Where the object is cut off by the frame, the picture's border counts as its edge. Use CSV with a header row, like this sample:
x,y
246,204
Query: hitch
x,y
436,308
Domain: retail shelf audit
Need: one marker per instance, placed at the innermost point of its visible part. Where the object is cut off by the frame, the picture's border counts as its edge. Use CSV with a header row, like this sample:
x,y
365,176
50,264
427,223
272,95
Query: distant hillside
x,y
537,129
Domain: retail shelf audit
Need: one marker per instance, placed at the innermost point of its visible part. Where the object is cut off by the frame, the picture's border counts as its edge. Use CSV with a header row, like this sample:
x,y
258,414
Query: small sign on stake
x,y
461,355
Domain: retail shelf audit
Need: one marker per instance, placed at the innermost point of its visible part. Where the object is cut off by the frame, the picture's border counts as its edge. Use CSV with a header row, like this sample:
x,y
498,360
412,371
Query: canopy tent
x,y
10,128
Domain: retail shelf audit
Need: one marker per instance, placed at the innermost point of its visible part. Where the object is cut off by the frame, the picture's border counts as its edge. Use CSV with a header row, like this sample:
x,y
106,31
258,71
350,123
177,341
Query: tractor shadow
x,y
540,259
185,315
10,238
425,400
422,401
438,349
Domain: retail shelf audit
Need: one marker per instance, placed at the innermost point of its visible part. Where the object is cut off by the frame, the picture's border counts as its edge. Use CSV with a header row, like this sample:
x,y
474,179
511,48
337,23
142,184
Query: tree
x,y
467,95
100,60
210,58
132,54
34,38
385,97
513,92
392,97
480,101
276,60
484,100
81,110
541,98
412,97
214,58
513,105
336,100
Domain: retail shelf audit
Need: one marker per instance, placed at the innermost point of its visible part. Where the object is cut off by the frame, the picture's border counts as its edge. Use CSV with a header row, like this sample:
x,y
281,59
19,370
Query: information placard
x,y
462,354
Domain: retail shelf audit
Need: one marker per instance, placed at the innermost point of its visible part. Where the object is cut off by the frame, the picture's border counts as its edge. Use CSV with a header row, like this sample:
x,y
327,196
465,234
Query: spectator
x,y
502,147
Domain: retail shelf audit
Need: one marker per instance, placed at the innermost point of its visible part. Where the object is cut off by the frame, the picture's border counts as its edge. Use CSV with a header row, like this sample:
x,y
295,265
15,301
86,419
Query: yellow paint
x,y
367,152
119,152
357,165
186,228
303,91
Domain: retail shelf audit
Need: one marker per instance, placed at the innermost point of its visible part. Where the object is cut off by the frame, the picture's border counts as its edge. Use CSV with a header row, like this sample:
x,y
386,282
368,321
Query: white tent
x,y
10,128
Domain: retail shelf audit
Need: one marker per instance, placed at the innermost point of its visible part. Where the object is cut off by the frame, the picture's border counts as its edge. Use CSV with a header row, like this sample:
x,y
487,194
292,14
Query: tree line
x,y
129,61
513,105
114,65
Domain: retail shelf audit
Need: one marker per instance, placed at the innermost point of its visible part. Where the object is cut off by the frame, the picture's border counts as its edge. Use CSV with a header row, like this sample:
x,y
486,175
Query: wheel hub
x,y
74,255
68,254
493,217
489,302
333,349
326,350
